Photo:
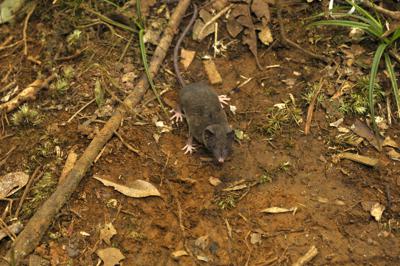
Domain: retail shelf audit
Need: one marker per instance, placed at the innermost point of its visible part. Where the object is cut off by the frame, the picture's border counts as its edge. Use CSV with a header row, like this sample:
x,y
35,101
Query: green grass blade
x,y
372,78
395,36
343,23
373,21
393,80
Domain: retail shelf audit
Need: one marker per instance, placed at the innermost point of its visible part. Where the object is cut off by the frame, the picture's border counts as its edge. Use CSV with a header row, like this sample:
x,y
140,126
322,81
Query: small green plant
x,y
99,93
280,116
357,101
375,28
265,178
62,85
228,202
310,92
26,116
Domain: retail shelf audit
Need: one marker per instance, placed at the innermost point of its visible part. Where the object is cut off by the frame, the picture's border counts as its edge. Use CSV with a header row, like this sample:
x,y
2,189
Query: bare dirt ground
x,y
214,225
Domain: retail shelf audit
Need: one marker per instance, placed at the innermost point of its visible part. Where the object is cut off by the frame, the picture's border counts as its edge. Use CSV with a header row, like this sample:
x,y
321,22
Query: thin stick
x,y
28,186
25,28
4,159
80,110
310,110
127,145
6,230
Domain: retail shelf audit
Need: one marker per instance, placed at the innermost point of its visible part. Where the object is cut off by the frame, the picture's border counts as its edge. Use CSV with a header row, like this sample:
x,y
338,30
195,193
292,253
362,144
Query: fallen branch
x,y
384,11
30,237
28,93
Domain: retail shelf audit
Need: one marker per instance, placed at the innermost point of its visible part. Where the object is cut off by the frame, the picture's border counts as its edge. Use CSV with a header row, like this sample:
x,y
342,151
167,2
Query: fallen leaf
x,y
255,238
12,182
377,210
265,36
274,210
365,132
358,158
219,4
202,258
138,189
303,260
187,57
337,122
110,256
69,164
234,188
107,232
233,27
202,242
214,181
198,32
389,142
242,14
83,233
261,9
153,33
394,155
233,109
322,200
179,253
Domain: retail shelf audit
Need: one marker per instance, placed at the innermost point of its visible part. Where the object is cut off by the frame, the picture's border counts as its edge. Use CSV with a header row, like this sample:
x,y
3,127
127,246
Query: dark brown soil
x,y
298,170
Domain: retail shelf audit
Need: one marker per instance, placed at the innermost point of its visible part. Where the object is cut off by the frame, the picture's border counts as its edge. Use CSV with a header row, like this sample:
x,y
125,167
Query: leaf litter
x,y
138,189
110,256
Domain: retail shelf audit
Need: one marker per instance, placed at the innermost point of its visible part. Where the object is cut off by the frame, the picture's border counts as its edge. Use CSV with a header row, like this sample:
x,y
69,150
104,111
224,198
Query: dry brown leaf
x,y
242,14
389,142
255,238
234,27
303,260
219,4
377,210
69,164
187,57
12,182
365,132
107,232
394,155
261,9
214,181
179,253
138,189
274,210
265,36
235,188
358,158
110,256
202,242
212,73
205,16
